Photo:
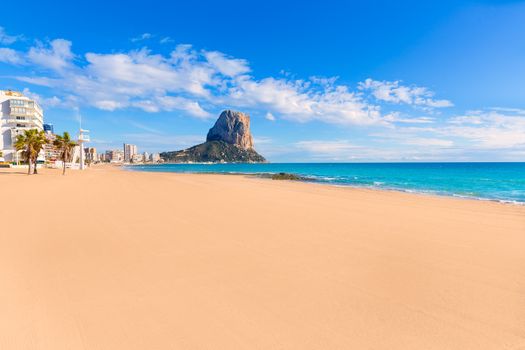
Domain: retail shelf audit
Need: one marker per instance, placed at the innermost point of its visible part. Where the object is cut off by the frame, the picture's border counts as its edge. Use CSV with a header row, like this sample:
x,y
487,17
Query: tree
x,y
31,142
39,143
65,146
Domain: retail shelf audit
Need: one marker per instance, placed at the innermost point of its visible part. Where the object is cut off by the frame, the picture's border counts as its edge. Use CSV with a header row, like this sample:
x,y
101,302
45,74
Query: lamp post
x,y
82,137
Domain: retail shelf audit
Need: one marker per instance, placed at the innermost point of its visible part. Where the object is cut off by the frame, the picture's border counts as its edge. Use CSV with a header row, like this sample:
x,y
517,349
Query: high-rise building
x,y
154,158
146,157
129,152
91,155
17,114
115,156
137,158
52,153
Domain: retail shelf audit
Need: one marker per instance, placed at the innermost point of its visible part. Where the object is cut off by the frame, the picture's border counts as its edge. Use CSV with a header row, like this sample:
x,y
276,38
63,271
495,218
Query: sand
x,y
112,259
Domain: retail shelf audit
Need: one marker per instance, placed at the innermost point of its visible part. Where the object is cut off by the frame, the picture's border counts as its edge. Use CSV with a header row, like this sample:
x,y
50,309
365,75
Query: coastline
x,y
115,259
317,181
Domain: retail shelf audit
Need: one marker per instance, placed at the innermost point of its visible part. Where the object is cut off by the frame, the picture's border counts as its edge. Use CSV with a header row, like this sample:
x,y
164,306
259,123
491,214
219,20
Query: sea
x,y
503,182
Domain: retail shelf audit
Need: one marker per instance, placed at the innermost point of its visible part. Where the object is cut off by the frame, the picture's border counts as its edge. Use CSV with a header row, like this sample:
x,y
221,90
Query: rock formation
x,y
228,141
232,127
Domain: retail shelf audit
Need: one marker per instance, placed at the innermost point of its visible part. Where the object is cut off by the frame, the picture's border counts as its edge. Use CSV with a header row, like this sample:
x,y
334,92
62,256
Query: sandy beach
x,y
109,259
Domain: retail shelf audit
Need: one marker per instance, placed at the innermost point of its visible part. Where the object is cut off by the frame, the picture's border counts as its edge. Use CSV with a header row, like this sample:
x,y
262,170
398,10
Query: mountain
x,y
228,141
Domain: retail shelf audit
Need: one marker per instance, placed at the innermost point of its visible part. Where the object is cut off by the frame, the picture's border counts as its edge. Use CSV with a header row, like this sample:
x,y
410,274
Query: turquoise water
x,y
491,181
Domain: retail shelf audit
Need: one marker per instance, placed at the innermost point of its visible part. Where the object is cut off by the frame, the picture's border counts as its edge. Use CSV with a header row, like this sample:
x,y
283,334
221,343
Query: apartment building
x,y
17,113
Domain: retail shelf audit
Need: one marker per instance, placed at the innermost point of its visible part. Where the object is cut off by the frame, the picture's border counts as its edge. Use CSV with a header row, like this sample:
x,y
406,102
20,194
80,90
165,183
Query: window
x,y
18,110
17,102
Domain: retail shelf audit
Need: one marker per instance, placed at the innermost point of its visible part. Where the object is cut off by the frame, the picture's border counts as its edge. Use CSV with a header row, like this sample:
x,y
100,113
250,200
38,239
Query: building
x,y
52,153
91,155
48,128
129,152
115,156
155,158
146,157
137,158
17,114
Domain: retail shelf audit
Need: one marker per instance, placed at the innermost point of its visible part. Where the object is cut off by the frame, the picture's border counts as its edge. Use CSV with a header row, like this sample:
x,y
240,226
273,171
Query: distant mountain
x,y
229,141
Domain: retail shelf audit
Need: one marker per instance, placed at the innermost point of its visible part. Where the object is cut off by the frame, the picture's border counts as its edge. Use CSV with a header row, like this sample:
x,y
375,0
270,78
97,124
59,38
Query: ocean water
x,y
503,182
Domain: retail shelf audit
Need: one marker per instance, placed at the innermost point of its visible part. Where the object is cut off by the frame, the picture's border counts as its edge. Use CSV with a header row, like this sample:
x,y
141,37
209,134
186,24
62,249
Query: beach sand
x,y
113,259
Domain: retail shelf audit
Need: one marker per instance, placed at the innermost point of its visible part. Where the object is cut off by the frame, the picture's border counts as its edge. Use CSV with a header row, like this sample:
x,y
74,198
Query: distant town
x,y
19,113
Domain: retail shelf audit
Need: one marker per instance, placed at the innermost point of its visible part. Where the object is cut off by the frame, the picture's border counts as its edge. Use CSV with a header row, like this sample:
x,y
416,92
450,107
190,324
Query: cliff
x,y
229,140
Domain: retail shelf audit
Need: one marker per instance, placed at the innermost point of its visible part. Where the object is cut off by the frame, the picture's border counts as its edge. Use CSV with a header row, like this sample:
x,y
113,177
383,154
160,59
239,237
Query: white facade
x,y
115,156
17,113
154,157
129,152
137,158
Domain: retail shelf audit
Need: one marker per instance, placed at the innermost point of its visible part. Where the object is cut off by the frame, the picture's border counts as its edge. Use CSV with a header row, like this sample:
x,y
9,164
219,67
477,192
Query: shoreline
x,y
314,181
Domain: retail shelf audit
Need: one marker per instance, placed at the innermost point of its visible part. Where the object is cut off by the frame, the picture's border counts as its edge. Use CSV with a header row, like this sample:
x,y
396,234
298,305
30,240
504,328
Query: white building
x,y
115,156
137,158
154,157
91,154
129,152
17,113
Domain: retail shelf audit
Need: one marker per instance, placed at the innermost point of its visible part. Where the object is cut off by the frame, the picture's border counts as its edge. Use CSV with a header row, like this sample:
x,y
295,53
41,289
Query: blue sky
x,y
322,81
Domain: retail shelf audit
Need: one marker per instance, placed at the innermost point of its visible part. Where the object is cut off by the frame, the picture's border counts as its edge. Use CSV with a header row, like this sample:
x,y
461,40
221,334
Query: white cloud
x,y
56,57
428,142
395,117
43,101
143,36
170,142
338,147
171,103
489,129
269,116
227,66
8,39
304,100
394,92
192,81
10,56
186,80
166,40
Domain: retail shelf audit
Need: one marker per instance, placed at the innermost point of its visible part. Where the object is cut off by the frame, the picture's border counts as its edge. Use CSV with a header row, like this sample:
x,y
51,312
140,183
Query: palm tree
x,y
31,142
65,146
40,141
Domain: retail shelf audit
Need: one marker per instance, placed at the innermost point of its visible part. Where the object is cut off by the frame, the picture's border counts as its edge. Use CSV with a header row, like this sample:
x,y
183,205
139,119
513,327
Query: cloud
x,y
269,116
8,39
43,101
304,101
395,117
489,129
394,92
143,36
186,80
10,56
195,82
56,57
227,66
338,147
429,142
172,142
166,40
